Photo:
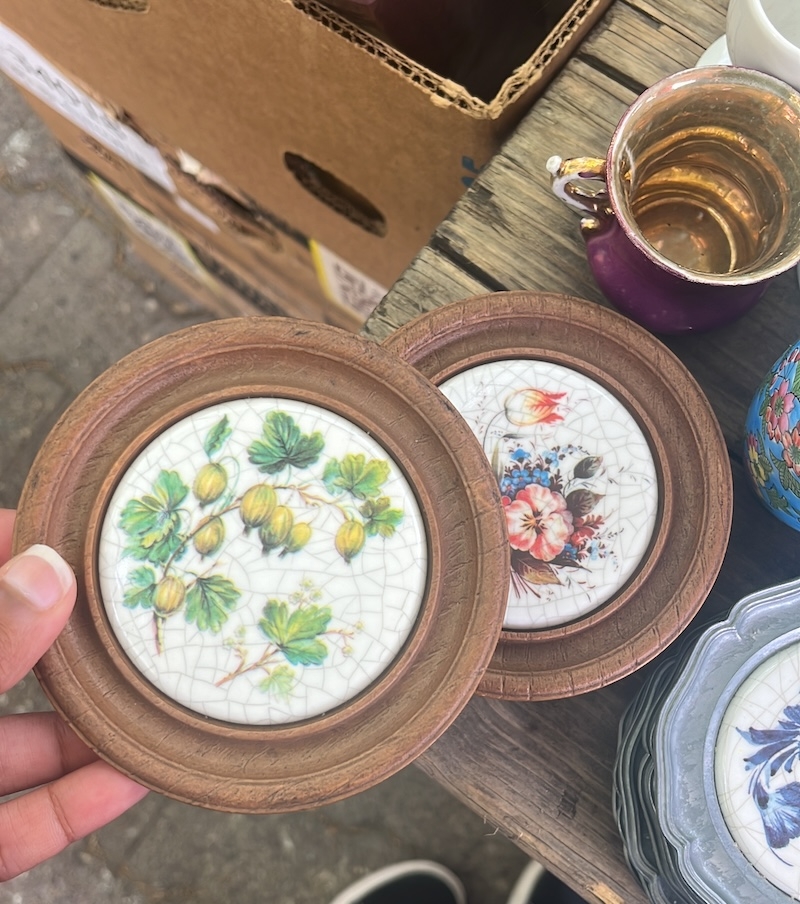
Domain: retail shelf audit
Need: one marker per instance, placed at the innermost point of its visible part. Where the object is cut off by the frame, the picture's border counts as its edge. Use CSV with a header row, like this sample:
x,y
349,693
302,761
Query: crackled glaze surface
x,y
757,775
579,484
262,561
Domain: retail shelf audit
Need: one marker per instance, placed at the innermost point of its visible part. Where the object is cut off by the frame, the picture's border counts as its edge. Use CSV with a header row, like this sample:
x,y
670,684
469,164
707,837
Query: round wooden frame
x,y
695,509
168,748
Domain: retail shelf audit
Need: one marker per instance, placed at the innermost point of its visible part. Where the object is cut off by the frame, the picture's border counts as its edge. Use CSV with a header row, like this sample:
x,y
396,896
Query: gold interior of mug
x,y
705,174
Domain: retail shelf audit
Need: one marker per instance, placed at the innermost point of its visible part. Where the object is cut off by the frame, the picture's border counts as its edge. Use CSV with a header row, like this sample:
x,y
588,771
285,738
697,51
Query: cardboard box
x,y
331,131
268,262
209,281
255,237
216,280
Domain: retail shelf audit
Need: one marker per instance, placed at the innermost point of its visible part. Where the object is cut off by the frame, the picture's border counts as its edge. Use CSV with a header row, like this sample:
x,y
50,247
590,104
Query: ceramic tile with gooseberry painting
x,y
579,484
262,561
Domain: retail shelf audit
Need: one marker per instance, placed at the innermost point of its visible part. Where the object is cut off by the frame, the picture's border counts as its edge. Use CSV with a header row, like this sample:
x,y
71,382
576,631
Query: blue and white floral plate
x,y
727,747
651,858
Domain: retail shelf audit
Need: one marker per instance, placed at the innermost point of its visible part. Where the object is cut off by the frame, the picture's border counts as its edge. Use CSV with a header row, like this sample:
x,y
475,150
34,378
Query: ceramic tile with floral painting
x,y
614,475
579,484
262,561
757,772
291,560
726,748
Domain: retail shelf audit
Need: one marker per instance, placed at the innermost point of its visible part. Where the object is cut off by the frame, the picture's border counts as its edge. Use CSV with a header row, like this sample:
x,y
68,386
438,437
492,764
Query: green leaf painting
x,y
280,682
296,634
284,444
182,526
305,651
217,437
776,500
140,589
357,476
153,522
209,601
788,480
380,519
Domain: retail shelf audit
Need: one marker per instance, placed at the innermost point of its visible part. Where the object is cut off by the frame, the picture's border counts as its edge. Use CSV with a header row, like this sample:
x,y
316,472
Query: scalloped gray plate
x,y
726,747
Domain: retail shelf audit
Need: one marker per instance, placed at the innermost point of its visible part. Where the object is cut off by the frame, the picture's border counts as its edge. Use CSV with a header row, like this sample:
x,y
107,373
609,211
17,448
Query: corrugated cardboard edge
x,y
519,89
449,93
532,77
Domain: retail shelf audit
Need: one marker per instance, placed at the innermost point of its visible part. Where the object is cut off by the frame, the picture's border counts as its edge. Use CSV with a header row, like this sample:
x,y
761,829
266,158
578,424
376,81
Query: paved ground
x,y
72,301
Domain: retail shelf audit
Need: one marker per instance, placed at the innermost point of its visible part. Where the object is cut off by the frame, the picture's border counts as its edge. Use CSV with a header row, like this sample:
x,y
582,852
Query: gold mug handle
x,y
571,181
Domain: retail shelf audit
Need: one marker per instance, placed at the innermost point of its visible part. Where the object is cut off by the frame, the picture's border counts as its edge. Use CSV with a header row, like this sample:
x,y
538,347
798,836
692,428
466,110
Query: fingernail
x,y
39,575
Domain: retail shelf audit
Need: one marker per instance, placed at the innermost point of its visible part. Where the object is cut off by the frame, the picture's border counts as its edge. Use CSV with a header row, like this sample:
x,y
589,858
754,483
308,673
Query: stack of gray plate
x,y
707,778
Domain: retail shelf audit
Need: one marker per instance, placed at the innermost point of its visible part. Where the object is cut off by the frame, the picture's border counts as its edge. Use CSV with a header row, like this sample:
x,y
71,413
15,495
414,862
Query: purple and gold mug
x,y
696,206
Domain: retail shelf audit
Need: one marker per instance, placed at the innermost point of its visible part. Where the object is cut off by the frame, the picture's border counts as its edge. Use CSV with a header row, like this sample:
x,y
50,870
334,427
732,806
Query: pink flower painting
x,y
539,522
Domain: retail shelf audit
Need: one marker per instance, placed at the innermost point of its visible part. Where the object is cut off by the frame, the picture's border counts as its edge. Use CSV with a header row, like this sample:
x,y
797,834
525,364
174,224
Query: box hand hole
x,y
126,6
336,194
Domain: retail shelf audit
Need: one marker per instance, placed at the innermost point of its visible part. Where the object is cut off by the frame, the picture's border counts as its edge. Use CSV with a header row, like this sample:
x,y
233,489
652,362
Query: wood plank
x,y
515,764
729,363
703,21
542,772
433,280
640,48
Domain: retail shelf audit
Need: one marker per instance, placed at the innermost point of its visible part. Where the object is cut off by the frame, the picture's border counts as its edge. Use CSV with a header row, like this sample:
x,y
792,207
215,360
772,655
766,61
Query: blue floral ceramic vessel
x,y
772,440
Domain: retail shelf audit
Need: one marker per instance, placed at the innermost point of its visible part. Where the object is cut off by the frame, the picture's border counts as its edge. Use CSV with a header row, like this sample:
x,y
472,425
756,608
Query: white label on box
x,y
151,229
343,283
31,71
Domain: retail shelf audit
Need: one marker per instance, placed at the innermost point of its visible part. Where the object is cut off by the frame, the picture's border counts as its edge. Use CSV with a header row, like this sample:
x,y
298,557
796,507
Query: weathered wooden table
x,y
542,772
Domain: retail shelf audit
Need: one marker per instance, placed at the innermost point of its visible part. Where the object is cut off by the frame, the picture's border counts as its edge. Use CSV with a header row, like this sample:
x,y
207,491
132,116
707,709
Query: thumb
x,y
37,593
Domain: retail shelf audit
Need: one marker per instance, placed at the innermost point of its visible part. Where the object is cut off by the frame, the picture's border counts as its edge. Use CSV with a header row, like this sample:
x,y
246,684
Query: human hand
x,y
75,792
